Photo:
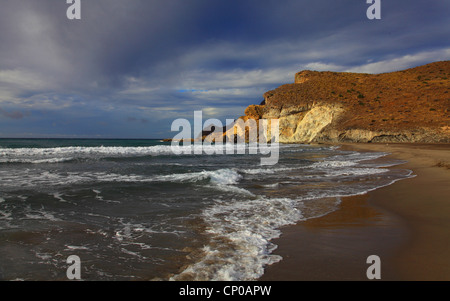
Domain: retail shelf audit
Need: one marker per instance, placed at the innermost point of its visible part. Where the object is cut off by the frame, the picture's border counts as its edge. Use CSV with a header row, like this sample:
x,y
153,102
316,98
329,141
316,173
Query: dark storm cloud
x,y
160,60
112,39
12,115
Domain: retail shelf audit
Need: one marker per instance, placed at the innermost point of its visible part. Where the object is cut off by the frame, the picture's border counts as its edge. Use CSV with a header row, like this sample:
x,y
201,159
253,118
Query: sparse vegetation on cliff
x,y
412,105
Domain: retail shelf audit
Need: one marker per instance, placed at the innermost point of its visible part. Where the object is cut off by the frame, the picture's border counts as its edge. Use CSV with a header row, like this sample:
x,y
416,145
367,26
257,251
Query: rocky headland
x,y
412,105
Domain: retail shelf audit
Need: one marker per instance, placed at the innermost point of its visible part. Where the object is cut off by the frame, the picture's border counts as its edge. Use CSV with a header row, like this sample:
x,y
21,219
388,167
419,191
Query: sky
x,y
128,69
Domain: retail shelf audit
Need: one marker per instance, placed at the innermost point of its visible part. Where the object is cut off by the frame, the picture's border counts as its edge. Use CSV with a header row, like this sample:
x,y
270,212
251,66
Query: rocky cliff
x,y
412,105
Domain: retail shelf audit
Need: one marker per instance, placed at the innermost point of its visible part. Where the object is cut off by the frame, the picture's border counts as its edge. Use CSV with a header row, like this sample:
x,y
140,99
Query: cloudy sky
x,y
127,69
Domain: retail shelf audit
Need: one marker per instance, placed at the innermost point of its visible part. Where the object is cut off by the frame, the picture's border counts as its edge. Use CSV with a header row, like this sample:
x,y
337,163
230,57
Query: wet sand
x,y
407,224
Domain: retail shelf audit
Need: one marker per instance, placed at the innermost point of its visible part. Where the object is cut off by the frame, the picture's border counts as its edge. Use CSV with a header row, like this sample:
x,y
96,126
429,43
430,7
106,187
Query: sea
x,y
134,210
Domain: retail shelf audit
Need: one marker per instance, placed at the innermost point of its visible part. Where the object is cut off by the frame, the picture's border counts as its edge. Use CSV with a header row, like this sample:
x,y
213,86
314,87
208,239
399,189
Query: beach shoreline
x,y
406,224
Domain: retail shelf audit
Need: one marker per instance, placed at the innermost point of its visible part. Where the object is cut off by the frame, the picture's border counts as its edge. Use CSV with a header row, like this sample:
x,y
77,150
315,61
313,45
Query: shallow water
x,y
132,210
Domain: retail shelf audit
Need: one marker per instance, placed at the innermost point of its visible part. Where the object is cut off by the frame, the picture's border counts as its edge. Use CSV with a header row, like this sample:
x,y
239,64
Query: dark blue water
x,y
133,210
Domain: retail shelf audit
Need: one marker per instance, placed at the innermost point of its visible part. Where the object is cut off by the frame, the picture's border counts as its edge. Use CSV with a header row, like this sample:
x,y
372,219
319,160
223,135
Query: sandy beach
x,y
407,224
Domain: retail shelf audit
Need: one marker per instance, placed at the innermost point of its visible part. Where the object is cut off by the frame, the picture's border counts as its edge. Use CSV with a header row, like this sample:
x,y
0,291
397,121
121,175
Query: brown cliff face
x,y
405,106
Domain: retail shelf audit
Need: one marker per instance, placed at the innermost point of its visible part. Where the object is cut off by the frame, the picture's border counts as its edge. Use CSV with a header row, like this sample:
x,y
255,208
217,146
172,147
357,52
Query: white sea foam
x,y
241,232
357,156
41,215
36,161
97,194
221,179
355,172
348,165
37,178
274,185
67,154
61,154
5,215
256,171
224,176
58,196
333,164
231,189
72,248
